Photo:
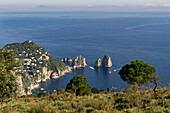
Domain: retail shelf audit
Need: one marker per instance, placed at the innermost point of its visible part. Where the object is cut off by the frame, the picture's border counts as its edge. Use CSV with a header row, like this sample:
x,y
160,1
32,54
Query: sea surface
x,y
125,36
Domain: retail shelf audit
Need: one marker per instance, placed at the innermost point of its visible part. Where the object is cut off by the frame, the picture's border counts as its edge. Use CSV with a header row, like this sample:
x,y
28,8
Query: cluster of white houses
x,y
32,61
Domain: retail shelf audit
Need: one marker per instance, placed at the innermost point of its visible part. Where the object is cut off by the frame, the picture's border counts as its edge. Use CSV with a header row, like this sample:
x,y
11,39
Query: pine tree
x,y
78,84
8,62
137,72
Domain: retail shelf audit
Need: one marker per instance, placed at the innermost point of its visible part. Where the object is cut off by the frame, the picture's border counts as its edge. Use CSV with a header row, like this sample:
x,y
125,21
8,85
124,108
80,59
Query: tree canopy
x,y
78,84
95,90
8,83
137,72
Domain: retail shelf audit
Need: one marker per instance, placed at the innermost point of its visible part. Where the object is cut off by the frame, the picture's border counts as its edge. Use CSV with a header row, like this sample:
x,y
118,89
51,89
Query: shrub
x,y
81,110
78,85
42,108
127,111
62,96
90,110
9,109
122,106
95,90
167,111
102,90
100,104
60,90
42,94
31,95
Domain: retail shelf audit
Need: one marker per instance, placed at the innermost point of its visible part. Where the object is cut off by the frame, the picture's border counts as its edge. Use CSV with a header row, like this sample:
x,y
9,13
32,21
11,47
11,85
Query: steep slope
x,y
37,64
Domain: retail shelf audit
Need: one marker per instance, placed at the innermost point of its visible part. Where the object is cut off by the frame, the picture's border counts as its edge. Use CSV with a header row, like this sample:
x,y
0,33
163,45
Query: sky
x,y
82,2
7,4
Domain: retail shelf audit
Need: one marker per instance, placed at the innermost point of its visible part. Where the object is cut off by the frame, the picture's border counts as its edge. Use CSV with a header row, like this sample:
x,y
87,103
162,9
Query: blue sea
x,y
125,36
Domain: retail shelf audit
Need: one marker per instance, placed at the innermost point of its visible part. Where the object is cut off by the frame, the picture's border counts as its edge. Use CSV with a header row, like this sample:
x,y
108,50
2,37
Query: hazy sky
x,y
28,4
82,2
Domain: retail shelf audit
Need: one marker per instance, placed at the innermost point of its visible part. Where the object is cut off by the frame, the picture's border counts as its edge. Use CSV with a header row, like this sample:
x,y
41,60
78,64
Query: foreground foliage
x,y
78,84
126,101
137,72
8,83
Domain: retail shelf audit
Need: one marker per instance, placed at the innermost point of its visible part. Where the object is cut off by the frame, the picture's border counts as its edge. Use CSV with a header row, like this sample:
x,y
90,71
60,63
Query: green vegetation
x,y
42,94
79,85
126,101
30,50
137,72
56,65
156,80
8,83
95,90
35,59
79,97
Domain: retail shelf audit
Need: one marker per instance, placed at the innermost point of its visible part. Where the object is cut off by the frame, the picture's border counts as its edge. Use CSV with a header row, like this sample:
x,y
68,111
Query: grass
x,y
126,101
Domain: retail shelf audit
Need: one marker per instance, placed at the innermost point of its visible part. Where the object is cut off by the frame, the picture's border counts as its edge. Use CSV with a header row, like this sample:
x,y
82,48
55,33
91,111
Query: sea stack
x,y
98,63
79,62
106,61
66,60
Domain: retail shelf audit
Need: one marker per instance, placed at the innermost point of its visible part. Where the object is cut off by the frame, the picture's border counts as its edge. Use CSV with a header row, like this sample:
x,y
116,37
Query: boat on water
x,y
42,88
91,67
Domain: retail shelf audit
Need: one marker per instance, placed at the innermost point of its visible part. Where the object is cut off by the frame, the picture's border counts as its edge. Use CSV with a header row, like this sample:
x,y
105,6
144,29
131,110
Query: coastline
x,y
57,76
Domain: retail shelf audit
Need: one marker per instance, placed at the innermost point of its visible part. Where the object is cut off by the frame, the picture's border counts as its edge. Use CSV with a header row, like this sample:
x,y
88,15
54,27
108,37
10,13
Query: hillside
x,y
127,101
37,65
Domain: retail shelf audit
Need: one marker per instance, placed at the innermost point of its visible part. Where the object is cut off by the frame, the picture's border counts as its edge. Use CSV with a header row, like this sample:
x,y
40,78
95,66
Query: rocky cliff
x,y
98,63
21,90
37,65
106,62
79,62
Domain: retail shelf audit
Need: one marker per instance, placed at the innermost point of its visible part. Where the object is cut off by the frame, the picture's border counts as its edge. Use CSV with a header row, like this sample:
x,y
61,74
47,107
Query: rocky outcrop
x,y
66,60
46,73
98,63
106,61
68,70
62,73
79,62
21,90
31,87
37,65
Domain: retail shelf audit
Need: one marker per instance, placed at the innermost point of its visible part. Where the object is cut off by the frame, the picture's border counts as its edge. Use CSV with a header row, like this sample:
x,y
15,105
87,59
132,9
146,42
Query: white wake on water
x,y
109,71
117,69
135,28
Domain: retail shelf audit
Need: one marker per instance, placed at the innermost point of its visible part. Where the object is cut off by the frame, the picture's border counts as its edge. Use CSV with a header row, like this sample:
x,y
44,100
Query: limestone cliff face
x,y
106,61
79,62
61,73
98,63
21,90
46,74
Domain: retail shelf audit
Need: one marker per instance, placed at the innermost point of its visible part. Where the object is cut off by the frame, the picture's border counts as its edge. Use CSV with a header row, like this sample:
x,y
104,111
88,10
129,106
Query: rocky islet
x,y
106,62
